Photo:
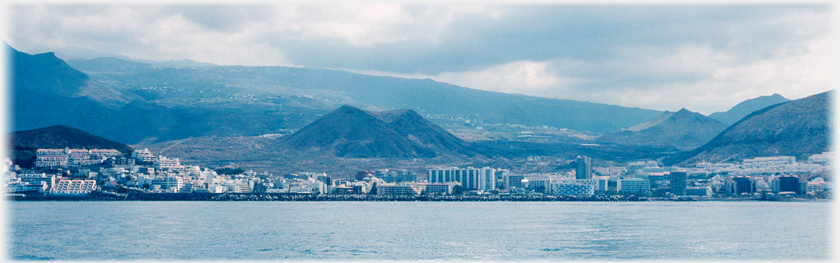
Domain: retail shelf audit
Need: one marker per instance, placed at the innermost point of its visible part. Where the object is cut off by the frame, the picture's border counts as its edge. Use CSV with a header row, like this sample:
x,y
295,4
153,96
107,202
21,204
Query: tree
x,y
457,190
372,189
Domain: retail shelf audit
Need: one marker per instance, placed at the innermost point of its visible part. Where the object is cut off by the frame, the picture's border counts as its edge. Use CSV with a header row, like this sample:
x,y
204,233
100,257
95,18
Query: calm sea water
x,y
418,230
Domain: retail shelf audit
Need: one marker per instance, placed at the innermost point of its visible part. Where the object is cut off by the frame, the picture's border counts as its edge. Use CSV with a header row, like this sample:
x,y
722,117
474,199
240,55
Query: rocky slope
x,y
796,128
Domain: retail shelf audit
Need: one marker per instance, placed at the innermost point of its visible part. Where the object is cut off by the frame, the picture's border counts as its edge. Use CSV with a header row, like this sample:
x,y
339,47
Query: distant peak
x,y
347,107
410,114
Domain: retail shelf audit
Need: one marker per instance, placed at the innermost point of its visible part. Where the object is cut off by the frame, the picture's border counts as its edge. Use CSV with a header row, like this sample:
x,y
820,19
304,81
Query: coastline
x,y
138,196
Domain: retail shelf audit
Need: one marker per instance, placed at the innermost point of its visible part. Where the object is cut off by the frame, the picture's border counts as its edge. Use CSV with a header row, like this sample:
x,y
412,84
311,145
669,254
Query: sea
x,y
418,231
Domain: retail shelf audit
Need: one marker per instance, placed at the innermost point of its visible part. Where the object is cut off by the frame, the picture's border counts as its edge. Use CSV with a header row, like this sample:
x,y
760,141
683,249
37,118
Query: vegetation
x,y
229,170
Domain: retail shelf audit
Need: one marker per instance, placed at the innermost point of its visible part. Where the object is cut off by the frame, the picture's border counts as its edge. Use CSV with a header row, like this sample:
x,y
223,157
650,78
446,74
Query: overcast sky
x,y
705,58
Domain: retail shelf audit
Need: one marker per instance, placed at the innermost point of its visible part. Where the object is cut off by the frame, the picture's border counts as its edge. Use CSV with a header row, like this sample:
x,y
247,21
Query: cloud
x,y
707,57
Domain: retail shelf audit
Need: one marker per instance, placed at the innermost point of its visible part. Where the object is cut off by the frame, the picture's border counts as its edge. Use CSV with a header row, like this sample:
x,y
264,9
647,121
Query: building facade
x,y
678,182
572,186
583,167
469,178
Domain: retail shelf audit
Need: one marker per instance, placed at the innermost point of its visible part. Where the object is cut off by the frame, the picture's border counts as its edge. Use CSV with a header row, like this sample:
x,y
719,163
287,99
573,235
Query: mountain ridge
x,y
746,107
798,128
354,133
684,130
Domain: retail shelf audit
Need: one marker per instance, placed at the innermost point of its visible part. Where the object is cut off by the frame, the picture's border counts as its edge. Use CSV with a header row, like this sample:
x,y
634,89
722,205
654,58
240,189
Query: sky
x,y
702,57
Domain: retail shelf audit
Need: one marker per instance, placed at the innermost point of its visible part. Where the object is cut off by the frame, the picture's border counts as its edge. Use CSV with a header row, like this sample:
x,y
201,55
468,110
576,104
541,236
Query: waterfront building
x,y
818,185
309,185
572,186
20,187
537,182
603,184
437,188
37,178
169,182
678,182
396,189
698,191
73,187
513,181
489,179
634,185
737,185
787,183
583,167
469,178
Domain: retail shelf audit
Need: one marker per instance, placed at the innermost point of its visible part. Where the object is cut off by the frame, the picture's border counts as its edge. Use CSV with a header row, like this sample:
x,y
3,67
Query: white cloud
x,y
705,58
526,77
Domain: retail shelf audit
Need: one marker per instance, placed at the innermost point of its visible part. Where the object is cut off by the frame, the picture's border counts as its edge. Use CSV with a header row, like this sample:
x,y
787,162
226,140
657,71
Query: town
x,y
107,172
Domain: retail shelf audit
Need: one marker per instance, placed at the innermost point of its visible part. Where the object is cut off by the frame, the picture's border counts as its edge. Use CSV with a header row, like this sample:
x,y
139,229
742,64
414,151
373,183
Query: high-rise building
x,y
583,168
489,178
470,178
741,184
789,183
678,182
513,181
326,179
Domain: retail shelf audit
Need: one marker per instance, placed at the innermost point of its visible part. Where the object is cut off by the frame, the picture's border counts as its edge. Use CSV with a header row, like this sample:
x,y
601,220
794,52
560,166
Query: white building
x,y
172,183
162,163
73,187
634,185
572,186
143,155
470,178
768,162
50,158
825,158
396,189
80,157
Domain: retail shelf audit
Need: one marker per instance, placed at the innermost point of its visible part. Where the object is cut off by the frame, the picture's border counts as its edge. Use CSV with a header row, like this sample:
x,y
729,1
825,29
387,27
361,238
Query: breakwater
x,y
139,196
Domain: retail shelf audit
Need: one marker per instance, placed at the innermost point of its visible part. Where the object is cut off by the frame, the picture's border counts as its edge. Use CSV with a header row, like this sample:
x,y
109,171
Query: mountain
x,y
276,88
351,132
25,143
46,91
133,102
796,128
746,107
683,129
46,74
415,128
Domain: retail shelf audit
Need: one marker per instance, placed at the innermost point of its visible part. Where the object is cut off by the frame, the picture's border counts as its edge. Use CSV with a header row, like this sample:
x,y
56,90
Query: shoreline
x,y
137,196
